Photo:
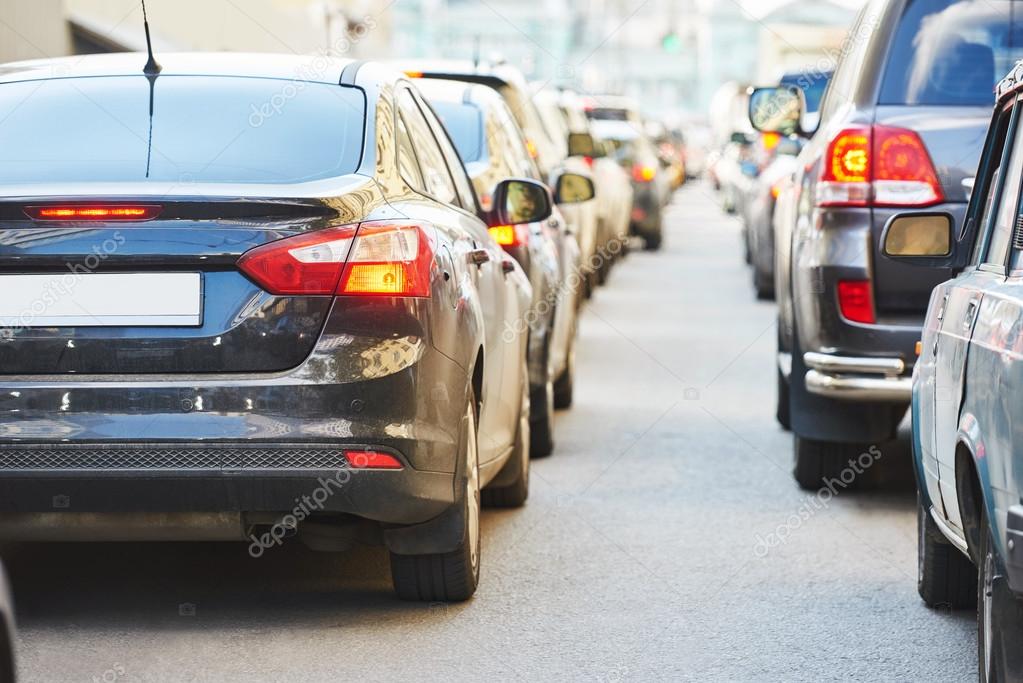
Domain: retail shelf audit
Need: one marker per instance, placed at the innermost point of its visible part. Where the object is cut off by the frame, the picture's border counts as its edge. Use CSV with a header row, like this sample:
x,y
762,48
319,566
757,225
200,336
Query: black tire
x,y
452,576
653,242
541,428
945,577
783,413
818,463
763,285
564,386
515,493
999,616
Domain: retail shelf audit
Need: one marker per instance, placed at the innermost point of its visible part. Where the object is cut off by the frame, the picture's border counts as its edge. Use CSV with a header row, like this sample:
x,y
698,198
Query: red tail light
x,y
588,161
94,212
856,301
372,460
642,173
373,259
878,166
510,235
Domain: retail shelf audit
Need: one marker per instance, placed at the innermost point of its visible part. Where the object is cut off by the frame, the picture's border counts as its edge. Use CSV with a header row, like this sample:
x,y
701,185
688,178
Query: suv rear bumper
x,y
858,379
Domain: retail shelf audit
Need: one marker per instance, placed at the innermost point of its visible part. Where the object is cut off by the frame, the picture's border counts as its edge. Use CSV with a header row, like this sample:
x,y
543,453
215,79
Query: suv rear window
x,y
953,52
204,130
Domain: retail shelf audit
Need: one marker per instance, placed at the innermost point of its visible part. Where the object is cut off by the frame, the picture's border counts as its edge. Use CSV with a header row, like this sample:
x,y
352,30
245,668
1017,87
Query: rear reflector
x,y
94,212
643,174
372,460
856,301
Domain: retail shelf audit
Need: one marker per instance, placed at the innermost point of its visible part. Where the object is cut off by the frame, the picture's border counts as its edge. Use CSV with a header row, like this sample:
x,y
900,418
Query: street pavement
x,y
664,540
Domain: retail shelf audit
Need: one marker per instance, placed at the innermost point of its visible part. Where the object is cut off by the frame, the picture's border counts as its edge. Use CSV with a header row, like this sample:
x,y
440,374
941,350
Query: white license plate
x,y
101,300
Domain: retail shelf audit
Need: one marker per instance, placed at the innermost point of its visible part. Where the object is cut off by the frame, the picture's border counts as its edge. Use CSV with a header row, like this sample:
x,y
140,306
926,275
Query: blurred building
x,y
33,30
801,35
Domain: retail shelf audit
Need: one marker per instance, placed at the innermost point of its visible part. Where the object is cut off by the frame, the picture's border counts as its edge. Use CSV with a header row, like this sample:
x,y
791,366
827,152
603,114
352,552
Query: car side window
x,y
987,185
408,164
436,178
466,194
840,90
1004,207
515,150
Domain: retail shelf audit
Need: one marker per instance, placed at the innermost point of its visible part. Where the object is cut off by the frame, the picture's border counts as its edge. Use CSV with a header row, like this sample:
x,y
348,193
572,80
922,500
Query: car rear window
x,y
949,52
464,123
202,130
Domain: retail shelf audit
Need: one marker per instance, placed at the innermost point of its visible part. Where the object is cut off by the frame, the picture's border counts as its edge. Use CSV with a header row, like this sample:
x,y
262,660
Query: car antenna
x,y
476,52
152,69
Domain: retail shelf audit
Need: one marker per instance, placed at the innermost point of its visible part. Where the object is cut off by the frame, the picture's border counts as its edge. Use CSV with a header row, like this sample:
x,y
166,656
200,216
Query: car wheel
x,y
820,463
783,412
541,441
945,577
515,493
763,285
653,242
999,616
452,576
564,386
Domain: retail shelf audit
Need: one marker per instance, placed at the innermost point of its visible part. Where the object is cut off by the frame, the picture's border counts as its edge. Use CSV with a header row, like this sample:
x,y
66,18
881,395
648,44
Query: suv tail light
x,y
878,166
382,259
856,301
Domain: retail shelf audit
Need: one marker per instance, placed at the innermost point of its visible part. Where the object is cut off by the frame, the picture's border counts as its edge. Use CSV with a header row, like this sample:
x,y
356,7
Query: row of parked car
x,y
349,318
895,262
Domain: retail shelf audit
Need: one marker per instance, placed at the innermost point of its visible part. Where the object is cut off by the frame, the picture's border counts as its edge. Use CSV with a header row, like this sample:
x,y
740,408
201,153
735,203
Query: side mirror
x,y
517,201
920,238
573,188
582,145
738,138
777,110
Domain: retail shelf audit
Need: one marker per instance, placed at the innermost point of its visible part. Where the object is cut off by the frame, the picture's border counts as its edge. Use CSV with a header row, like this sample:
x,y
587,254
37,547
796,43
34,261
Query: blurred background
x,y
672,56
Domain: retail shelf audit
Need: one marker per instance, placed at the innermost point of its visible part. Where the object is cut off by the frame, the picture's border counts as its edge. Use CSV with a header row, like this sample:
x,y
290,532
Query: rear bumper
x,y
68,482
858,379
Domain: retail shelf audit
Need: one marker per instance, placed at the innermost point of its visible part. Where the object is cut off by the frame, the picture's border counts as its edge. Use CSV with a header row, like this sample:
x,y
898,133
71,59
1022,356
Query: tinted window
x,y
466,196
508,137
464,124
953,53
204,129
408,164
1008,203
431,161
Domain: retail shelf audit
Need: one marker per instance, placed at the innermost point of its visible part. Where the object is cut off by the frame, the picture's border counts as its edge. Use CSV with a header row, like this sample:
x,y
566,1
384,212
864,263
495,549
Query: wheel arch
x,y
970,495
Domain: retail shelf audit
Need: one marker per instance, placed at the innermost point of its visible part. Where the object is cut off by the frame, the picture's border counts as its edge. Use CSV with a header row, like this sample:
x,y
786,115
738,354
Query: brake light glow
x,y
776,190
414,74
856,301
510,235
531,148
878,166
642,173
94,212
389,259
770,141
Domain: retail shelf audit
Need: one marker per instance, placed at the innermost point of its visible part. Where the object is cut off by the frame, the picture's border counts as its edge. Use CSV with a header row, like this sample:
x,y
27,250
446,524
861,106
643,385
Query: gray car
x,y
901,127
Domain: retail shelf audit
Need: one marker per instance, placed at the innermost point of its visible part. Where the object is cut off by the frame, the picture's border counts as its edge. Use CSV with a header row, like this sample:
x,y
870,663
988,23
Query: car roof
x,y
311,68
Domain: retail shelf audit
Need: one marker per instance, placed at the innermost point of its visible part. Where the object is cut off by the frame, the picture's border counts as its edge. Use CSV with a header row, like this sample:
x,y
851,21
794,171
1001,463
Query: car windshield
x,y
949,52
464,123
253,130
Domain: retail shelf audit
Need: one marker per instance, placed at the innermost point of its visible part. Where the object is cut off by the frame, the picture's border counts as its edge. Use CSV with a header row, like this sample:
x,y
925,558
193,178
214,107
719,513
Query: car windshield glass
x,y
949,52
202,130
464,123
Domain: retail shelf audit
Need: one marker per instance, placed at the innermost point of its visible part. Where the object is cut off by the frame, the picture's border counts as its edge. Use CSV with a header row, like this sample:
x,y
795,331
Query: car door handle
x,y
479,256
507,266
971,313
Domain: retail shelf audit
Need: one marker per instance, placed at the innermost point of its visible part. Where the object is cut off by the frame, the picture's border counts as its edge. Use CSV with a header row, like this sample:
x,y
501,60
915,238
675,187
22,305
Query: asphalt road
x,y
664,540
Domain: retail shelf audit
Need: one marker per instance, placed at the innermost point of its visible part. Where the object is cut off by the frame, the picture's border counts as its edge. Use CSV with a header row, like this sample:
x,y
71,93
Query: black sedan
x,y
246,298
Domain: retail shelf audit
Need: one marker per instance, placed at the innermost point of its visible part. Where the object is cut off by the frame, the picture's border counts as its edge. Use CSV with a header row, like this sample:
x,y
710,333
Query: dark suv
x,y
902,127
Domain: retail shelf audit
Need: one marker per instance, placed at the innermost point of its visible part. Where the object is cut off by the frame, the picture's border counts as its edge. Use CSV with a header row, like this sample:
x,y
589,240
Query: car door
x,y
500,404
961,300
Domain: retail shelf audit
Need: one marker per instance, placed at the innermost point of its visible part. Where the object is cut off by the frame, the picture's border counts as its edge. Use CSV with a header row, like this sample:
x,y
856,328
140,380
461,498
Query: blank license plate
x,y
101,300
